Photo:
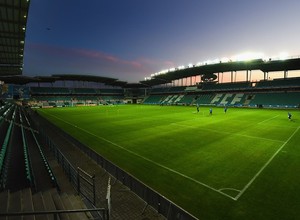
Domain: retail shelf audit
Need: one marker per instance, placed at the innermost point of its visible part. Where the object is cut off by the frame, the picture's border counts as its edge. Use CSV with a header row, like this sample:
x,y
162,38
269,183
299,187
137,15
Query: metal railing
x,y
163,206
56,213
83,182
86,185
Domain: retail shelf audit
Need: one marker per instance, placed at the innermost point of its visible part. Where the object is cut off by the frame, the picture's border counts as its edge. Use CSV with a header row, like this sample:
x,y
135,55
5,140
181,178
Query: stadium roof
x,y
13,18
208,69
20,79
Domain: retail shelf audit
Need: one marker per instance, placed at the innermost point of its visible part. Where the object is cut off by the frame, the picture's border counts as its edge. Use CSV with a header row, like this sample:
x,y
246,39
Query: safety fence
x,y
83,182
161,204
56,214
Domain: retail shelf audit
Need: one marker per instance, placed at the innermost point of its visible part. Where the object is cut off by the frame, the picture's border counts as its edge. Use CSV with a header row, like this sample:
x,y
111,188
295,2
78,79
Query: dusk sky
x,y
131,39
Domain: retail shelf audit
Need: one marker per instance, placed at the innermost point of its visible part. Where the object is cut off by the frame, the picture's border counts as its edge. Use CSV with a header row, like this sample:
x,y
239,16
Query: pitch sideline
x,y
265,165
149,160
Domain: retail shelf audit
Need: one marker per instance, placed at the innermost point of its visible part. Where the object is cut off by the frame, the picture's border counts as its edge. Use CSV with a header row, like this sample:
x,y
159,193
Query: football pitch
x,y
243,164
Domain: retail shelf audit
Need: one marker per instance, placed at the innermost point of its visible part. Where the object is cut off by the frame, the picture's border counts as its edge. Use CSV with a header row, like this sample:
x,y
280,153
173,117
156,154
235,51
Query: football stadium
x,y
181,144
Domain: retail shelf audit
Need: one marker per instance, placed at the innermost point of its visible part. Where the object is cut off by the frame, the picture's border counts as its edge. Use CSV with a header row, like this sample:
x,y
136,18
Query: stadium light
x,y
283,56
247,56
225,60
207,62
215,61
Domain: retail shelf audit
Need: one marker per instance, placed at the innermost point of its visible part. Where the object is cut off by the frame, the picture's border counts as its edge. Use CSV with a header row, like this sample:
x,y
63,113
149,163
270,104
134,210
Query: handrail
x,y
3,151
4,146
55,212
29,173
46,163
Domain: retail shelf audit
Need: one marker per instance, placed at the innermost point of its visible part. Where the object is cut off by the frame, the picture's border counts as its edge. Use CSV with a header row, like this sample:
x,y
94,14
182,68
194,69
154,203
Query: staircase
x,y
50,200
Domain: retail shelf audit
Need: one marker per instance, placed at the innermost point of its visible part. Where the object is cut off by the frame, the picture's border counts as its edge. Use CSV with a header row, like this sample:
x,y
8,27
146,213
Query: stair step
x,y
68,205
38,204
15,205
78,204
49,203
27,203
59,206
4,201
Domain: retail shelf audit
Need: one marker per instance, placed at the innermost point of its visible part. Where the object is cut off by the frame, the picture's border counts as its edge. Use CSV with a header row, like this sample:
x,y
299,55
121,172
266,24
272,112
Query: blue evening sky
x,y
131,39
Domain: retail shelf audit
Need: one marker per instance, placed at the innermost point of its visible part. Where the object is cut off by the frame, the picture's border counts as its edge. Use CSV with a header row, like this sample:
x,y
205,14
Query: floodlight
x,y
248,56
207,62
283,56
216,61
225,60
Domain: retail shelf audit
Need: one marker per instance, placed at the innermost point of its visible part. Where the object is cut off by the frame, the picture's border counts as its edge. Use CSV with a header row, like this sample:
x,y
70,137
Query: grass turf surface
x,y
240,165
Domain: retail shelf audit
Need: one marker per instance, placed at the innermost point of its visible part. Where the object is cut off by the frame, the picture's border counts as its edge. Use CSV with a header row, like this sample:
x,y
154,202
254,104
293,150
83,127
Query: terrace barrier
x,y
161,204
83,182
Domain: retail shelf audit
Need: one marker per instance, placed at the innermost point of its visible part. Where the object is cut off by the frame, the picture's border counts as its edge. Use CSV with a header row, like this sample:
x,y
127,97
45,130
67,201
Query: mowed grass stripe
x,y
213,150
265,165
147,159
179,155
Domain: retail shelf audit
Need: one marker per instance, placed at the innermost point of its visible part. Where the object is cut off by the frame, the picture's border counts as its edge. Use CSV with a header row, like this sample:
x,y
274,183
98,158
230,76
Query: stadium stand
x,y
278,93
28,183
226,86
279,83
279,99
42,205
49,90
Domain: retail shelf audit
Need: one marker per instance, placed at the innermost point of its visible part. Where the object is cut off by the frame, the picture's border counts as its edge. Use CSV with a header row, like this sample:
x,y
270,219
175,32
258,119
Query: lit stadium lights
x,y
199,64
215,61
225,60
148,78
162,72
283,56
172,69
207,62
181,67
190,65
248,56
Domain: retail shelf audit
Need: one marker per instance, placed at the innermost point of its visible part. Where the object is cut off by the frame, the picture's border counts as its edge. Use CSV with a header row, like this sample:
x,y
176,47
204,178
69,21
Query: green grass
x,y
241,165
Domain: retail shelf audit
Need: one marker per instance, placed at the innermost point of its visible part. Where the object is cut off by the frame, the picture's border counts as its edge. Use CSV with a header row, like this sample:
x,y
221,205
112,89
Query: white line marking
x,y
265,165
231,189
224,132
149,160
269,119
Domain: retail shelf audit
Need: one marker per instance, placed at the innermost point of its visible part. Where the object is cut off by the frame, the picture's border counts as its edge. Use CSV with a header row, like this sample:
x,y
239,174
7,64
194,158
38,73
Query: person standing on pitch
x,y
197,108
210,111
289,116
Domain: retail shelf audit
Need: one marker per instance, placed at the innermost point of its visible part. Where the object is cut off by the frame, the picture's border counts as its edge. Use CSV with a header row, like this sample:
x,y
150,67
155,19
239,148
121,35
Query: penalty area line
x,y
265,165
149,160
269,119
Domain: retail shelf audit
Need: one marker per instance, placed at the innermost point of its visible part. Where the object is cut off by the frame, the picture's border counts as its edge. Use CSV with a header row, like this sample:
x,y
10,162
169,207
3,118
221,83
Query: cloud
x,y
47,60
